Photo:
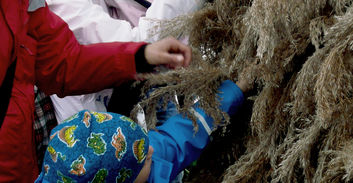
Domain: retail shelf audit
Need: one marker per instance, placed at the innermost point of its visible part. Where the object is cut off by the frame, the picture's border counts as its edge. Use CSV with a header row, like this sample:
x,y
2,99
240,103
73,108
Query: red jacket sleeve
x,y
65,67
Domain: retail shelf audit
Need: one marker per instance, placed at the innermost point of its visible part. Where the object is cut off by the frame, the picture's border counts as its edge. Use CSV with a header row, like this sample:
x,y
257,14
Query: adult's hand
x,y
168,51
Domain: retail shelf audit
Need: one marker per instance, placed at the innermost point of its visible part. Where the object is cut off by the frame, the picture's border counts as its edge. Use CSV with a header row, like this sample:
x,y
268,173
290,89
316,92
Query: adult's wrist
x,y
142,66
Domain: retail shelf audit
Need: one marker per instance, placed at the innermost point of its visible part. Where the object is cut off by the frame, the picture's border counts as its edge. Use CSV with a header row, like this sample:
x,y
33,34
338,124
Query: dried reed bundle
x,y
300,53
184,82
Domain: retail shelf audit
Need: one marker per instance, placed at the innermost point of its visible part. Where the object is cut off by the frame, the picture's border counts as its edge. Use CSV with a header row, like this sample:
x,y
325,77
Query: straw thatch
x,y
299,54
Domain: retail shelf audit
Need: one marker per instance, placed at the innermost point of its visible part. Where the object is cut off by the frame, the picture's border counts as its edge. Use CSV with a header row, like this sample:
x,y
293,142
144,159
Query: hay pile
x,y
299,54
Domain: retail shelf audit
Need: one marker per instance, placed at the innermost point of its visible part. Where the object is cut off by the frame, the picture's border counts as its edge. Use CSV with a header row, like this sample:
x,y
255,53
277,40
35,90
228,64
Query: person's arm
x,y
176,144
90,23
65,67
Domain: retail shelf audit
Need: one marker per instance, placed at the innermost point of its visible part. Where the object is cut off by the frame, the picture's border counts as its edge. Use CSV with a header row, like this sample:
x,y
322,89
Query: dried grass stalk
x,y
300,53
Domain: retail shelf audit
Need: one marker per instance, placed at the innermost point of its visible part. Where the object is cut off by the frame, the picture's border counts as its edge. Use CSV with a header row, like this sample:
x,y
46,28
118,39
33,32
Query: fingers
x,y
247,78
170,52
179,57
243,85
178,47
184,55
172,60
187,57
186,52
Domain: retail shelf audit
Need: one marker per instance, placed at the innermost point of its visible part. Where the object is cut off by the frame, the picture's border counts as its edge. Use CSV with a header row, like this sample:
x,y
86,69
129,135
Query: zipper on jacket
x,y
27,49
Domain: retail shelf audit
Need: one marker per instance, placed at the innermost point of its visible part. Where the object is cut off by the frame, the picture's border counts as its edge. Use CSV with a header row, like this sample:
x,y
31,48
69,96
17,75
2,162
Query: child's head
x,y
96,147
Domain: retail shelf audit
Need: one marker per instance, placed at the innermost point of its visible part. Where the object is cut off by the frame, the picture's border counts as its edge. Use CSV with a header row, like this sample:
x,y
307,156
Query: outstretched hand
x,y
169,52
247,78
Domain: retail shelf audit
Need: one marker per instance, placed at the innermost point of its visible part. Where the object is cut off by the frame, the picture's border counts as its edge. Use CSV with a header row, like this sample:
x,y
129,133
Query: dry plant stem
x,y
301,129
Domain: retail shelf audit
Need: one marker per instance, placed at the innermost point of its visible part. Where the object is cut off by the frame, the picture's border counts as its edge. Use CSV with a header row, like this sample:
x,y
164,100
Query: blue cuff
x,y
160,171
231,97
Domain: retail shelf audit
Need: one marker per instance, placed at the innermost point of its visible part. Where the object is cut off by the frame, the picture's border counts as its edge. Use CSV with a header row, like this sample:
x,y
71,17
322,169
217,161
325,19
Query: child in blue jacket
x,y
99,147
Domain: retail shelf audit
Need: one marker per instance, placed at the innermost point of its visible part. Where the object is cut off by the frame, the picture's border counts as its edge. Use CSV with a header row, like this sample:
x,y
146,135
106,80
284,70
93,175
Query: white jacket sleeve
x,y
168,9
90,22
165,10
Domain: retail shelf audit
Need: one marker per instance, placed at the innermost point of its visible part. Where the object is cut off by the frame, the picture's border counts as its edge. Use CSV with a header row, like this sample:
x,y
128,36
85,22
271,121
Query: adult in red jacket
x,y
48,55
